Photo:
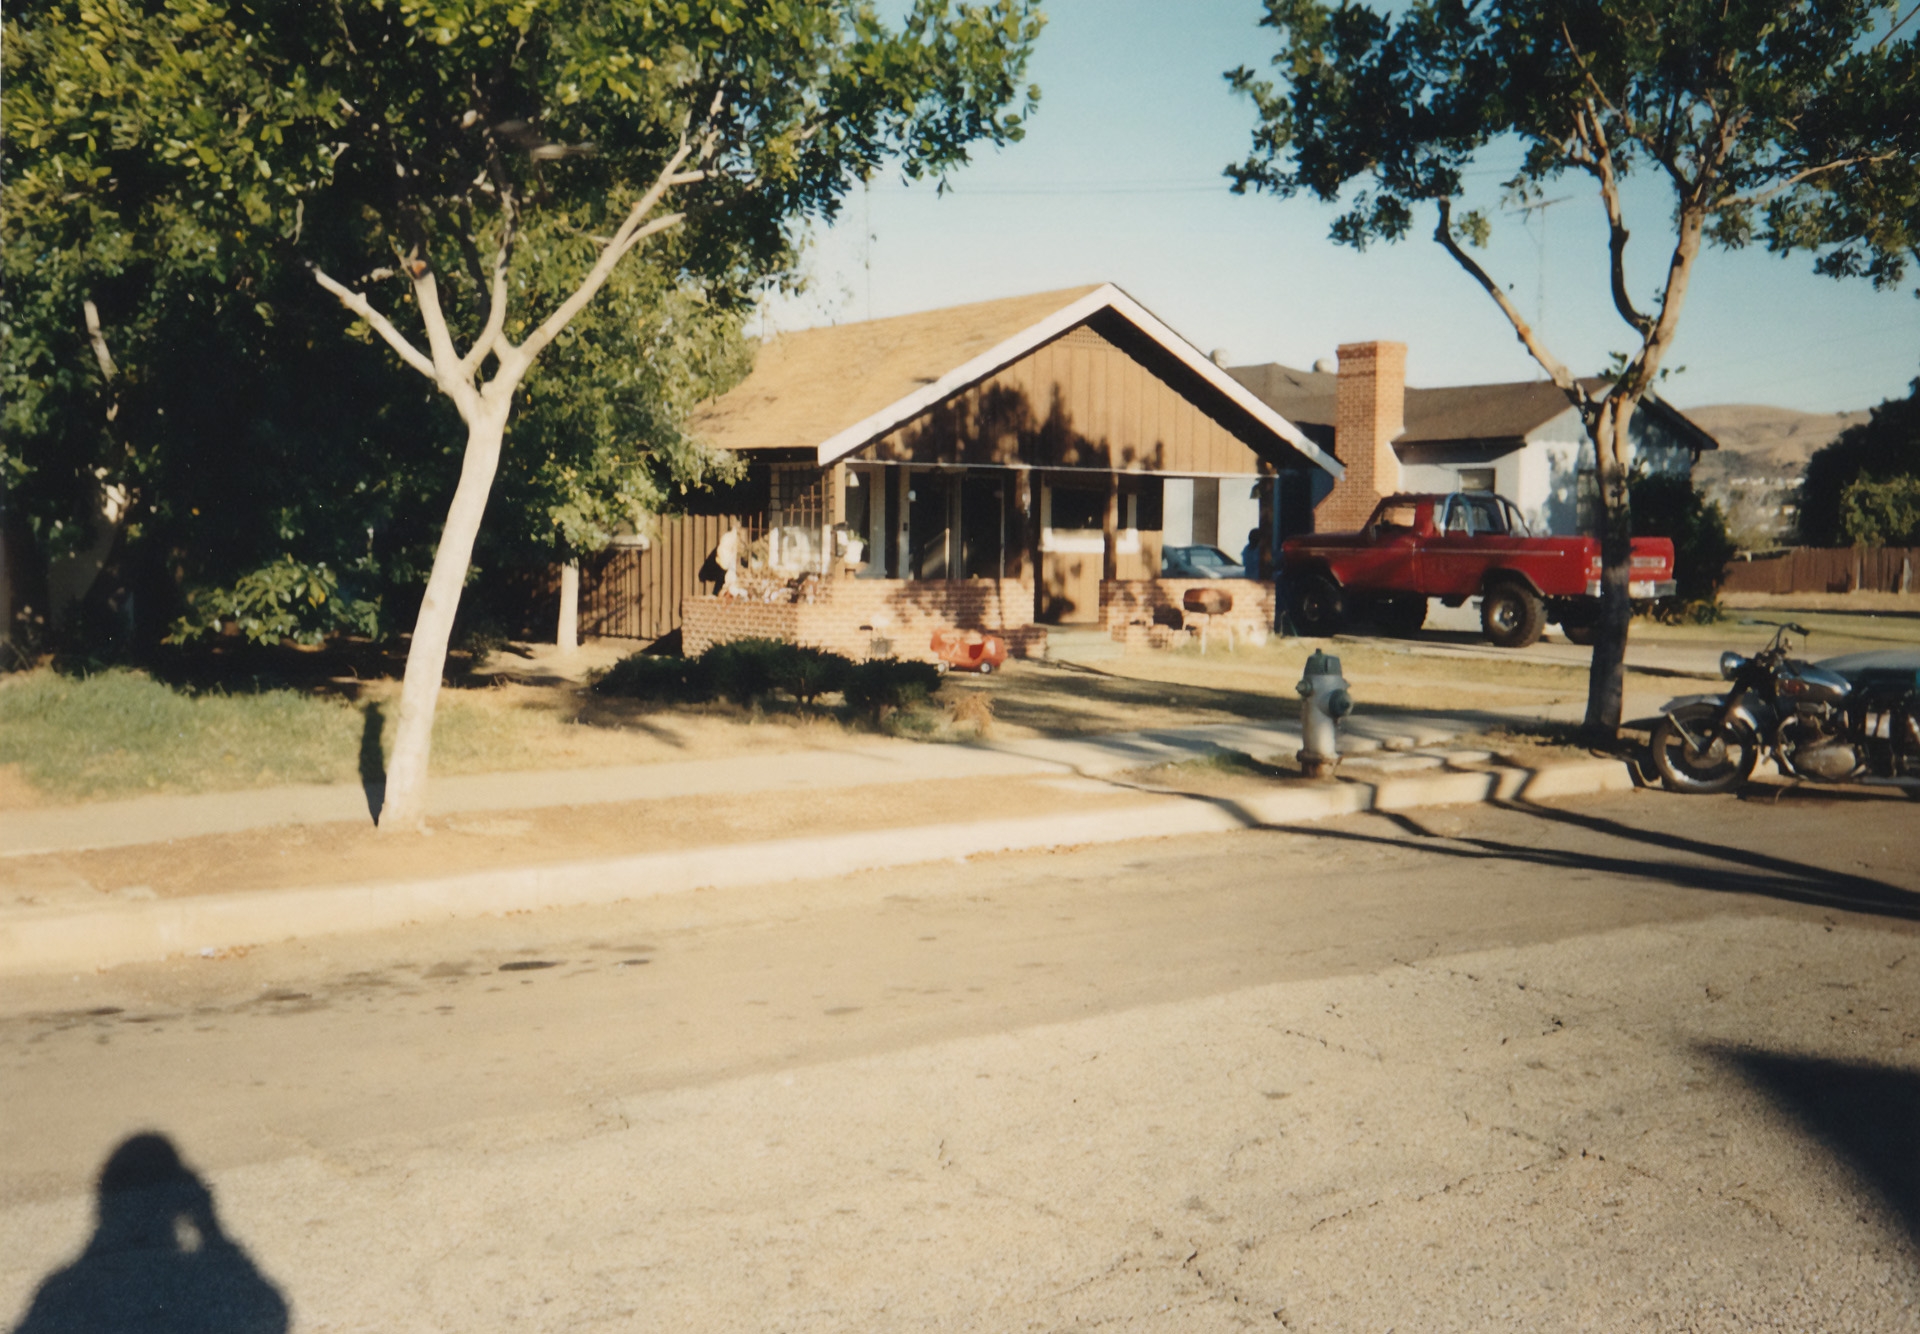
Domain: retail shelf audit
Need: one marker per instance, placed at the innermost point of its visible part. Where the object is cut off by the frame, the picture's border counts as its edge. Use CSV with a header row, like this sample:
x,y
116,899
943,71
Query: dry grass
x,y
122,733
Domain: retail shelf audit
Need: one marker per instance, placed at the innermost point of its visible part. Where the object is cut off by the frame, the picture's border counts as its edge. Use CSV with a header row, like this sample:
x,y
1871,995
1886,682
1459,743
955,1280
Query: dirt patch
x,y
16,793
289,856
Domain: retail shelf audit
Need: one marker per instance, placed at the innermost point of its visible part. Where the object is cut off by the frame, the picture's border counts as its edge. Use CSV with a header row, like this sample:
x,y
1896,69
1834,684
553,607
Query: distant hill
x,y
1757,441
1763,451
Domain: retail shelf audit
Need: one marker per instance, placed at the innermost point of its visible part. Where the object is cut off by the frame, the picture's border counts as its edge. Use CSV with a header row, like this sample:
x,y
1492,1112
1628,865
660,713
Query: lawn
x,y
121,733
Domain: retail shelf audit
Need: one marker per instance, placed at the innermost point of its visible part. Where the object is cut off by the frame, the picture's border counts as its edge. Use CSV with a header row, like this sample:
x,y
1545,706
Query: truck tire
x,y
1511,614
1578,619
1317,604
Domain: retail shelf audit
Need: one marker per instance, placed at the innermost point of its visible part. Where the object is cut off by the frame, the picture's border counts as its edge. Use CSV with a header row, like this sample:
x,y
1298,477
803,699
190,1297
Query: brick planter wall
x,y
854,616
1133,608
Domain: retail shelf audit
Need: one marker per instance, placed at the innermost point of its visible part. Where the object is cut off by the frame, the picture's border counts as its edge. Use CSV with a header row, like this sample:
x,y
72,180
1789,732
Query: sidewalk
x,y
868,762
1051,793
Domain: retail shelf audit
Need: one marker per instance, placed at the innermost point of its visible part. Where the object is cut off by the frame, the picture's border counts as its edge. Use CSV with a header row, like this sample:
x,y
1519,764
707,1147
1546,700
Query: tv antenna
x,y
1540,287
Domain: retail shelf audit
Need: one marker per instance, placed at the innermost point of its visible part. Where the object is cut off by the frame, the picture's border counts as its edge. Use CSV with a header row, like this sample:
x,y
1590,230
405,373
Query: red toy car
x,y
969,650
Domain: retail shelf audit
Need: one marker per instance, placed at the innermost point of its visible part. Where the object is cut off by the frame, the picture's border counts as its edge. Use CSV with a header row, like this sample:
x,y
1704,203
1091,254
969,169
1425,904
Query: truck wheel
x,y
1582,633
1317,605
1512,614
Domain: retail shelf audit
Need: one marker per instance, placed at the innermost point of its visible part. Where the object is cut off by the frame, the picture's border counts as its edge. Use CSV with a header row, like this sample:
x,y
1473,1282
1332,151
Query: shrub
x,y
285,599
1881,514
879,685
807,673
1885,446
743,670
1666,505
652,677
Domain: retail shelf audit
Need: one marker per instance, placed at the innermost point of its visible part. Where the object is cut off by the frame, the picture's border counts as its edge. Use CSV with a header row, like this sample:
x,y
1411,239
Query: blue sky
x,y
1119,180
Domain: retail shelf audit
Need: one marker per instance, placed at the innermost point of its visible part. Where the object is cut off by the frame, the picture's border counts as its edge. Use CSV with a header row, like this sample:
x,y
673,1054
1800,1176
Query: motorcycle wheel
x,y
1721,763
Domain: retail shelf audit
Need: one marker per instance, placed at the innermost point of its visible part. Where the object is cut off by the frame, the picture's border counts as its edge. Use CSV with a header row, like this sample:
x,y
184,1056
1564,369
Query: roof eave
x,y
1105,297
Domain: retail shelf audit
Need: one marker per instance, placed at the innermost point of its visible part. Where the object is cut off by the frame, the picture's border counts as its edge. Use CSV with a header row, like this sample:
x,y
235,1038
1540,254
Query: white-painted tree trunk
x,y
484,409
404,805
567,638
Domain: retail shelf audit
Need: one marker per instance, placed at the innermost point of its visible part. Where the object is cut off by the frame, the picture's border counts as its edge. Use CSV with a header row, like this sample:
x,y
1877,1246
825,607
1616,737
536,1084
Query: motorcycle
x,y
1854,719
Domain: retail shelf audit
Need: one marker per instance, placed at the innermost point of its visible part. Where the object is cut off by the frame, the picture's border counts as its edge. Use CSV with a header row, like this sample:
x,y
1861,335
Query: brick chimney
x,y
1369,411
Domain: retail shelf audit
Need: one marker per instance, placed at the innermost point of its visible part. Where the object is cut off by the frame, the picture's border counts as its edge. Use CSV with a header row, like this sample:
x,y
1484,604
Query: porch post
x,y
1110,529
836,515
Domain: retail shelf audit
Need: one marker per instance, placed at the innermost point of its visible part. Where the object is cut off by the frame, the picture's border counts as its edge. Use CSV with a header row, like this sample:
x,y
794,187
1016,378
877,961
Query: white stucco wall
x,y
1543,478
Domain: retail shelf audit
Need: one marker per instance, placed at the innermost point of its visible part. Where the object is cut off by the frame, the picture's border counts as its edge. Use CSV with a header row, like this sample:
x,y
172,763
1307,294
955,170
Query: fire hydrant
x,y
1324,701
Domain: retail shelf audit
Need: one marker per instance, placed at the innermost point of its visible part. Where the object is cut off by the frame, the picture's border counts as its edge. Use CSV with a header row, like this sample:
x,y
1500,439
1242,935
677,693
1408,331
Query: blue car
x,y
1199,563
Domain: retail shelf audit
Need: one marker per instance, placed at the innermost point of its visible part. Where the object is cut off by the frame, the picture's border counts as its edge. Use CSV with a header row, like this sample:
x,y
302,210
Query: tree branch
x,y
108,371
1553,366
1602,149
379,323
450,370
497,296
1754,200
630,233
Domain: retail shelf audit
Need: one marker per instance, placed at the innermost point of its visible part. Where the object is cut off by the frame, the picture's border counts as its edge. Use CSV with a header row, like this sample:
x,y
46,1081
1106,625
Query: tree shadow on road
x,y
158,1261
1698,864
1867,1115
373,763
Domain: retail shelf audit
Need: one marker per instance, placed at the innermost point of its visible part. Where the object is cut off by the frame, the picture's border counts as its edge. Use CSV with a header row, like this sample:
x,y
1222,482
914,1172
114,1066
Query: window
x,y
1484,515
1076,510
1397,517
1476,479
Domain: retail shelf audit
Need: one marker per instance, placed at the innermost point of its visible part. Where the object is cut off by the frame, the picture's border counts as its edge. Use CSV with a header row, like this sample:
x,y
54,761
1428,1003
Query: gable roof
x,y
1453,415
830,391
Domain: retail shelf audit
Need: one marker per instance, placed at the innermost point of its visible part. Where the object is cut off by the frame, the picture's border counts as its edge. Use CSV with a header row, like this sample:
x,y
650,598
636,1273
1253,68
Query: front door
x,y
1073,553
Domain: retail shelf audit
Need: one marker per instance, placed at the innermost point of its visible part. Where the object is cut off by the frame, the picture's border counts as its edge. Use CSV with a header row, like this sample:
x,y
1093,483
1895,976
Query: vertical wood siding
x,y
1096,397
634,593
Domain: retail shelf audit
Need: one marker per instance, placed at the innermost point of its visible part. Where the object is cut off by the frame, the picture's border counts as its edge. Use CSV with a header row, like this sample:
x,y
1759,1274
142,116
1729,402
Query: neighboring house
x,y
999,466
1524,440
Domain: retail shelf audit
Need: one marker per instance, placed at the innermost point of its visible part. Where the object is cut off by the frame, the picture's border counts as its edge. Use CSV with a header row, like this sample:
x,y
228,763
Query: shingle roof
x,y
1476,412
809,386
828,391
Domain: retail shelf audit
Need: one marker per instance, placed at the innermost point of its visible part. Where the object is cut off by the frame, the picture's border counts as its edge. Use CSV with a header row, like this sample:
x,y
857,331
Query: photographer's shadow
x,y
158,1261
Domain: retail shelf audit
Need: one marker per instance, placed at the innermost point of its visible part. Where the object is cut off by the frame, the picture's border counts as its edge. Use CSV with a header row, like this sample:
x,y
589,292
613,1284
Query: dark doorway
x,y
929,525
983,526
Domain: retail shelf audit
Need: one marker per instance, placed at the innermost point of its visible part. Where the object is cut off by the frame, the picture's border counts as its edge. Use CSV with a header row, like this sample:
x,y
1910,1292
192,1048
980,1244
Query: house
x,y
1523,440
1002,466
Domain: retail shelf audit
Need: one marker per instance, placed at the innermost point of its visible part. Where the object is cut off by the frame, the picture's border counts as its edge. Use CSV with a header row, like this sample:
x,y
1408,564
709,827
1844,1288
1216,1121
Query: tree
x,y
1668,505
1886,446
114,258
1882,514
1793,124
441,166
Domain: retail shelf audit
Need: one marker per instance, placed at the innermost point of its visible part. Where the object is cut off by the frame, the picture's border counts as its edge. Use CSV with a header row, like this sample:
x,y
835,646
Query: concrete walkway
x,y
870,762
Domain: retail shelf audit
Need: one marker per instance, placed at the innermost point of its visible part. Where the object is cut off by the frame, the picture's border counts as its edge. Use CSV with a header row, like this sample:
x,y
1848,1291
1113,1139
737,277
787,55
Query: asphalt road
x,y
1637,1062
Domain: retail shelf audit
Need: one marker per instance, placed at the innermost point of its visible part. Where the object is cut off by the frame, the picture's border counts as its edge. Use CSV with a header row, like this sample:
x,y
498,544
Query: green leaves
x,y
285,599
1783,122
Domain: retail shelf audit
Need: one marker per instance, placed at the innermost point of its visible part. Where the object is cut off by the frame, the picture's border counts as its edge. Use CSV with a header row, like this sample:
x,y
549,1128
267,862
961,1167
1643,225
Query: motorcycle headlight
x,y
1730,665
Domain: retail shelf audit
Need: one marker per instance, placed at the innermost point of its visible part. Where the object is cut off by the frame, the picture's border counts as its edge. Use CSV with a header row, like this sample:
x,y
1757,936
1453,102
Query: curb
x,y
58,940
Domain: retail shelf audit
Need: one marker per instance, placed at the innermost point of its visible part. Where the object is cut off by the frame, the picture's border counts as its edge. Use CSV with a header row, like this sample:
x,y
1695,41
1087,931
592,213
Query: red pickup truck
x,y
1453,547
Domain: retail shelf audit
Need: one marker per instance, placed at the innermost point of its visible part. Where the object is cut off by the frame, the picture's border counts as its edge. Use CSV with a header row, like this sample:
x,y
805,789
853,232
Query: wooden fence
x,y
634,593
1827,570
625,592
